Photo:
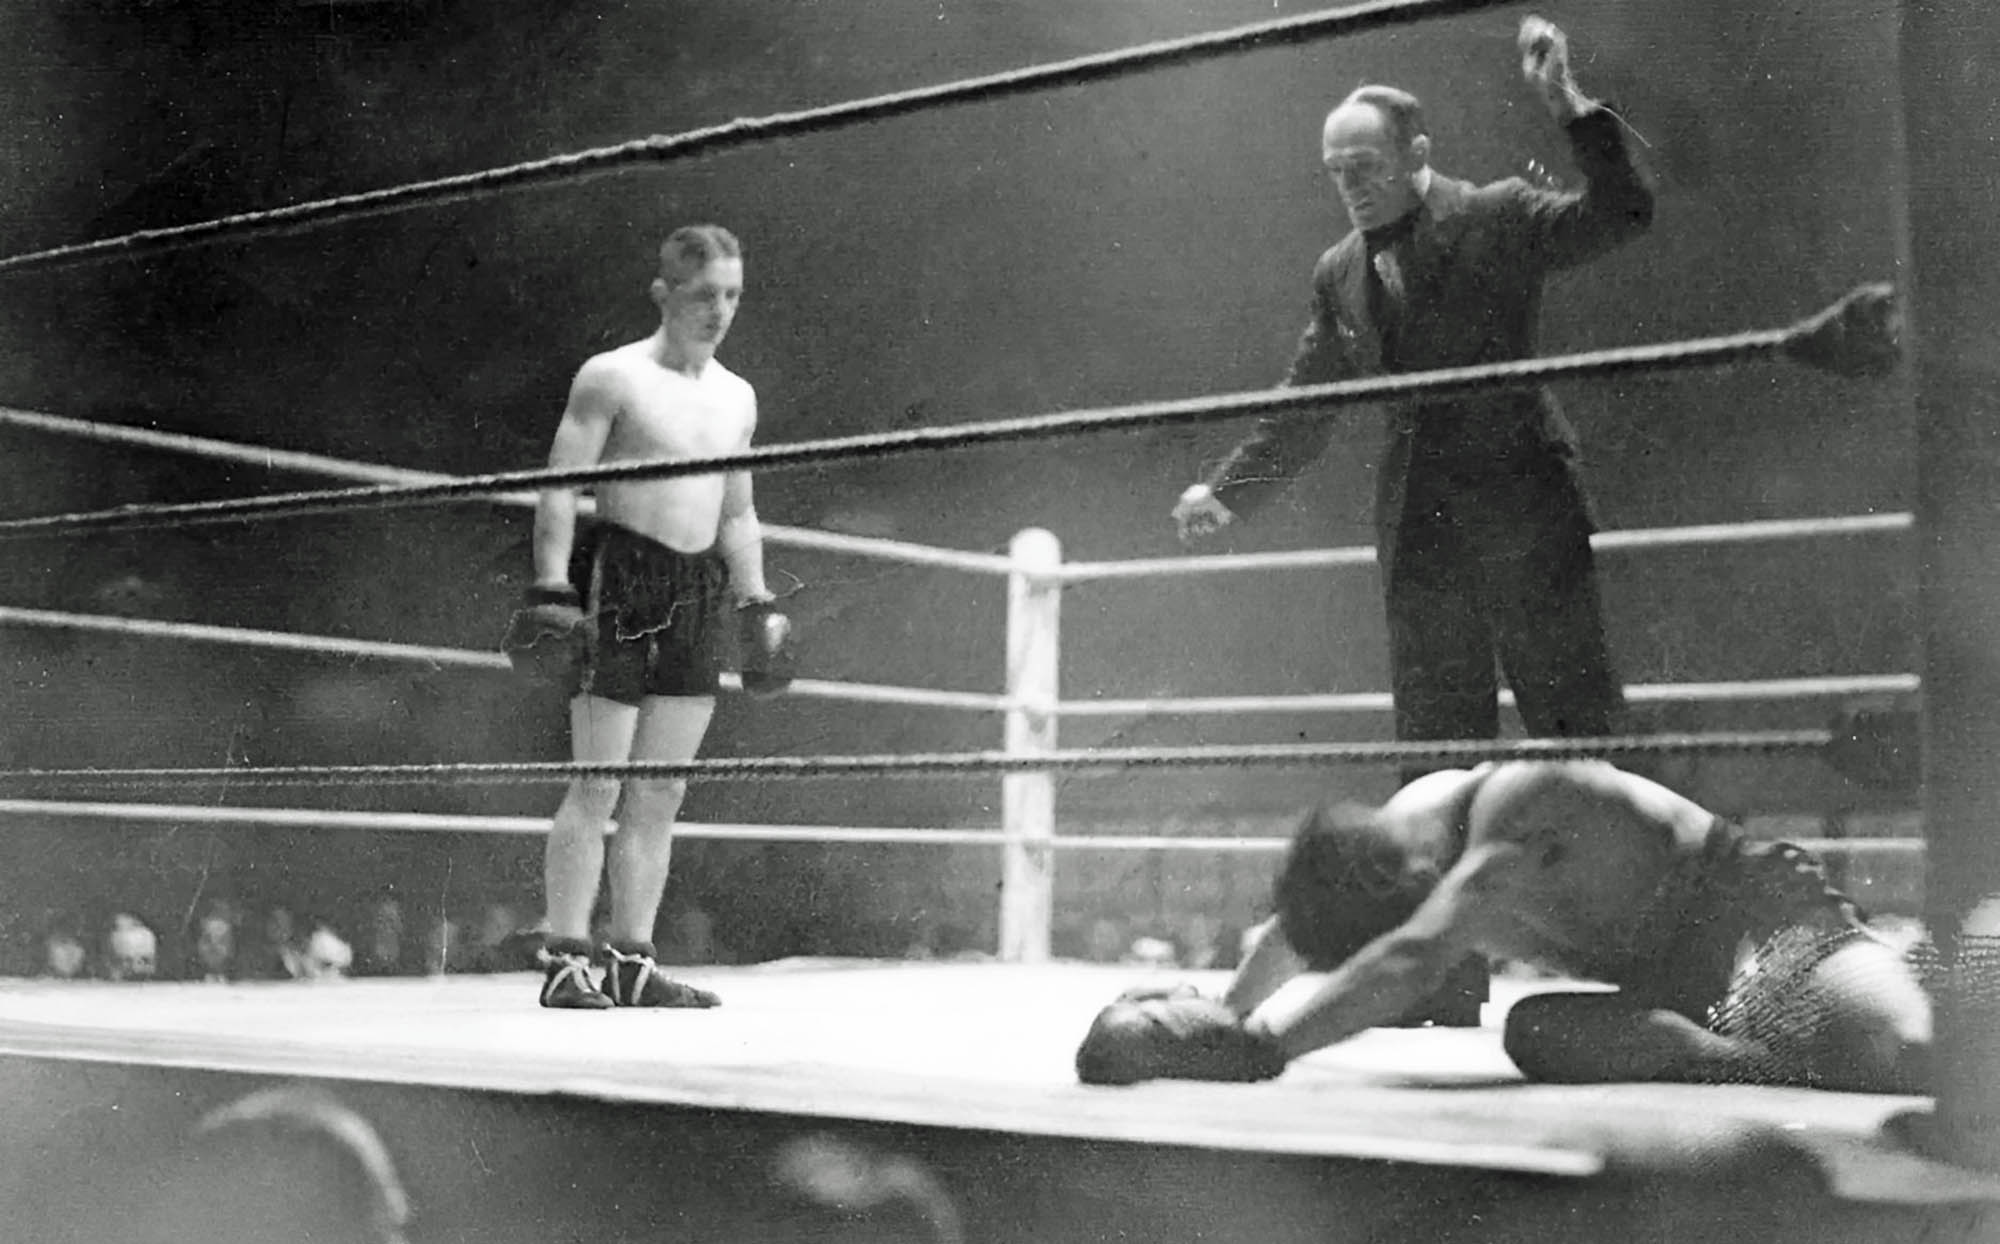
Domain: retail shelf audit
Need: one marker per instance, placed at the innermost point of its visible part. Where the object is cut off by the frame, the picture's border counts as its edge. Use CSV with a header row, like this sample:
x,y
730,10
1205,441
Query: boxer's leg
x,y
1838,1010
670,731
1853,1020
1594,1038
601,732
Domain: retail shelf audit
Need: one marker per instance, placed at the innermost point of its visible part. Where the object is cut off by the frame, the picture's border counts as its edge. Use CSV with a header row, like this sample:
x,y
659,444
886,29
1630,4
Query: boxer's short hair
x,y
691,248
1346,880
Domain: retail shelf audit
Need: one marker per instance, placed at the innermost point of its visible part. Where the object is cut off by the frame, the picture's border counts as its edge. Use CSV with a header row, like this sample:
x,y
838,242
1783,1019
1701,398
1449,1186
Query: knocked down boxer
x,y
1576,867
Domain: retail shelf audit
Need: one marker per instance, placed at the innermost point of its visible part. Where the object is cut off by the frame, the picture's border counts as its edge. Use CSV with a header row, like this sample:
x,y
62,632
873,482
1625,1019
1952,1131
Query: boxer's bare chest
x,y
664,414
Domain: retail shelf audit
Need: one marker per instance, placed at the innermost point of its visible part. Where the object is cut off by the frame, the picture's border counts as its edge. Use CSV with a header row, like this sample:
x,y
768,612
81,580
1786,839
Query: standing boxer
x,y
632,614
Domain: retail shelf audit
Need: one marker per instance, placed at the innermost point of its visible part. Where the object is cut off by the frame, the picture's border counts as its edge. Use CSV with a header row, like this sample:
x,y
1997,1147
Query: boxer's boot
x,y
633,978
566,983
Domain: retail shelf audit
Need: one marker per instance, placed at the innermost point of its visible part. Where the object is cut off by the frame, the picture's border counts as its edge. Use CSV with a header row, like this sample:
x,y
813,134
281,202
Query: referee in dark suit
x,y
1482,525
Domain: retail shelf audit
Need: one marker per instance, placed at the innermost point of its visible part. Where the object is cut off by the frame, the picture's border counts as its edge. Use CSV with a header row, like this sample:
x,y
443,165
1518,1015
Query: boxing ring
x,y
971,1062
1030,705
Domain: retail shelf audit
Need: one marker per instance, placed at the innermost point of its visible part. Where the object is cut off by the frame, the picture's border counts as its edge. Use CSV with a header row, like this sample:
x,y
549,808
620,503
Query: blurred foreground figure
x,y
284,1166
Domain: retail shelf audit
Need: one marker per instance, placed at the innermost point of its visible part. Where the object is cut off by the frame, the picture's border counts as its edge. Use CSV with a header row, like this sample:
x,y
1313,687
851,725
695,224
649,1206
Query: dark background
x,y
1146,238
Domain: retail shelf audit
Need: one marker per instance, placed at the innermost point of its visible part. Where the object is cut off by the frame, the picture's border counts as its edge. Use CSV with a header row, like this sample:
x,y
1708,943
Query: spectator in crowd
x,y
382,945
488,949
64,956
1153,952
129,594
131,950
277,954
214,950
325,955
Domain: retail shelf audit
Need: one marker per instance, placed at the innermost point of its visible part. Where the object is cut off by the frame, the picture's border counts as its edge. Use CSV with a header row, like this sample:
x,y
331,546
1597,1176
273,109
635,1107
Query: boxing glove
x,y
547,637
1174,1038
767,661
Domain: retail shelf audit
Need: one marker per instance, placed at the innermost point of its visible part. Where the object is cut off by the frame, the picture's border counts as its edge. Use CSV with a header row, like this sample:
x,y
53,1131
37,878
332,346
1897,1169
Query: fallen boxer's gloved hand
x,y
768,661
547,637
1180,1036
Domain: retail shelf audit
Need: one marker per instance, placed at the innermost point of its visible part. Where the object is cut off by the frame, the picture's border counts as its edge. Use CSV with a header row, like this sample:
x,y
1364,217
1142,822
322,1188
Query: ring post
x,y
1028,800
1952,178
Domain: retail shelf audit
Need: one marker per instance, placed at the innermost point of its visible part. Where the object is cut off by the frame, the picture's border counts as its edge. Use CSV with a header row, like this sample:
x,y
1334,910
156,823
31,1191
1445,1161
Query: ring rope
x,y
461,658
1749,532
1805,339
373,473
248,637
453,823
661,149
923,554
933,764
424,822
1835,686
1755,530
925,697
1366,701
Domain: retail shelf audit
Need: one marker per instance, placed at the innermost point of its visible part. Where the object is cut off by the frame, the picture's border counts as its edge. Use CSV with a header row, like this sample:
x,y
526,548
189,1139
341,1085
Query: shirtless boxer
x,y
631,614
1578,867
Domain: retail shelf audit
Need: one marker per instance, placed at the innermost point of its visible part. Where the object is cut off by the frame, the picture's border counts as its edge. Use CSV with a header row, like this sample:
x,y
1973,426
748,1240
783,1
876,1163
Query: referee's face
x,y
1374,174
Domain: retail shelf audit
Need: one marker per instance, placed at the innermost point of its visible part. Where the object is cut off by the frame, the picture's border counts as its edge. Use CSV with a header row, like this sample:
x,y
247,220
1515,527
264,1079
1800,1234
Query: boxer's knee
x,y
652,800
590,800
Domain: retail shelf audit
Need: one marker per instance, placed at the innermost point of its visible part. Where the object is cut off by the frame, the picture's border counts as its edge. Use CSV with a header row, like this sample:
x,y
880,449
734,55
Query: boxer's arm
x,y
579,442
741,537
741,540
1397,971
1284,446
1269,965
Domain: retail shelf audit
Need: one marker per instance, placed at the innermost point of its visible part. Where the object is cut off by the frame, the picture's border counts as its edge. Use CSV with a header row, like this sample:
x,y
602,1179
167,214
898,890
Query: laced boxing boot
x,y
633,978
566,983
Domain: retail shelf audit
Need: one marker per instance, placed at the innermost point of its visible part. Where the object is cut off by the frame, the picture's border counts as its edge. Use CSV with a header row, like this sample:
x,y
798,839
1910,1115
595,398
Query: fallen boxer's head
x,y
1346,881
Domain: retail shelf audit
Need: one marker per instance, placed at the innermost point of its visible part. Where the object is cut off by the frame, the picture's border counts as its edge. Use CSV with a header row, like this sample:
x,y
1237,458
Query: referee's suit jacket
x,y
1473,266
